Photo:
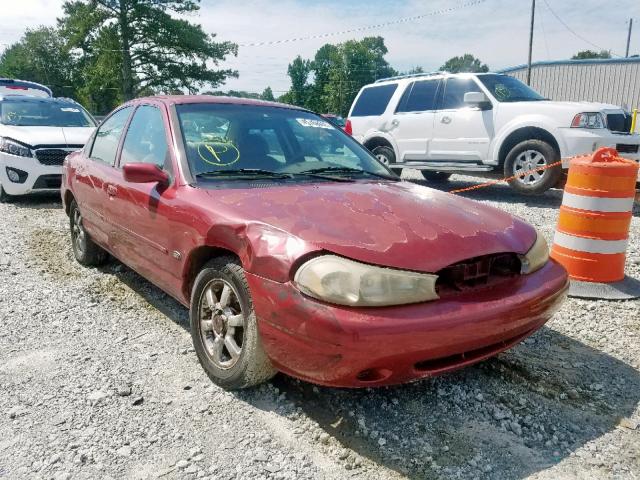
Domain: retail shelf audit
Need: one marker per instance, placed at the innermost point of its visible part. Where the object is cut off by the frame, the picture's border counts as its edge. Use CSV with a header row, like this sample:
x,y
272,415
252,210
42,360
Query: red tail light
x,y
348,128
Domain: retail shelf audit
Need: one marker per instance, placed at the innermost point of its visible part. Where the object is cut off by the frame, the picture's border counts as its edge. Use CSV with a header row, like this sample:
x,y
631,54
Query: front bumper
x,y
362,347
40,178
581,141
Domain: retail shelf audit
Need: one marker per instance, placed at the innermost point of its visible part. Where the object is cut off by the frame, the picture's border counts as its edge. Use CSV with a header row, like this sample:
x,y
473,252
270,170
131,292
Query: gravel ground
x,y
98,380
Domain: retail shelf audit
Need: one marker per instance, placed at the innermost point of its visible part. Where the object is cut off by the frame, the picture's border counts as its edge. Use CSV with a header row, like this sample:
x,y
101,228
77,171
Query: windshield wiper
x,y
244,171
321,170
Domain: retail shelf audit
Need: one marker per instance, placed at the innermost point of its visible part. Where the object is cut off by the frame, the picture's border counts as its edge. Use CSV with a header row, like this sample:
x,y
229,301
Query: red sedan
x,y
297,256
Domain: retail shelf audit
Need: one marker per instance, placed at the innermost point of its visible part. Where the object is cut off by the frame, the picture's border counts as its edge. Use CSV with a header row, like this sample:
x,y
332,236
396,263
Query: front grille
x,y
619,122
51,156
48,182
477,273
626,148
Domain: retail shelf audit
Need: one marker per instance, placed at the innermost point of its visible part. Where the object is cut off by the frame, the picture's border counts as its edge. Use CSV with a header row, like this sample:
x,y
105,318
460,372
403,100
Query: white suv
x,y
443,123
37,132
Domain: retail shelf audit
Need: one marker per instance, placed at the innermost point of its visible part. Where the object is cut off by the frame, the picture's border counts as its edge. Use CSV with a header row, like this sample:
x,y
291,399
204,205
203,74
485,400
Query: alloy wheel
x,y
78,234
222,323
527,161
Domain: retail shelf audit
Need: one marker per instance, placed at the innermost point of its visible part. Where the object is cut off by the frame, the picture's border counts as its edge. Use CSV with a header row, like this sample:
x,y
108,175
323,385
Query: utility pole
x,y
629,36
533,16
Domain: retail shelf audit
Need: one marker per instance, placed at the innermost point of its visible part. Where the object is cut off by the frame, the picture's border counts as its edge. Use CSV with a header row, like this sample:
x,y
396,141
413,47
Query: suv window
x,y
454,91
145,141
419,96
373,100
108,135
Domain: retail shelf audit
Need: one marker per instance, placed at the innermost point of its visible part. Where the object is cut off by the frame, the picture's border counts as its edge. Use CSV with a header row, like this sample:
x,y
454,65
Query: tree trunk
x,y
125,44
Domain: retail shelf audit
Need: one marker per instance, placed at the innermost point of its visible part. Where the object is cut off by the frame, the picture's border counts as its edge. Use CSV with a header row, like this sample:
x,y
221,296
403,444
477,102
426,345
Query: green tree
x,y
337,72
585,54
40,56
465,63
267,95
155,51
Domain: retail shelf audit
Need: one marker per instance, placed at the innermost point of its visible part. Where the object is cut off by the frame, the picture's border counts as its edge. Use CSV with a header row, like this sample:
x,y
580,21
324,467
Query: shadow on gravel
x,y
37,201
506,418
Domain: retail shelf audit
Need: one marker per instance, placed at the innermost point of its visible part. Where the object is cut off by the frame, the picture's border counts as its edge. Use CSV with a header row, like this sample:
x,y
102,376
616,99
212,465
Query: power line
x,y
365,28
576,33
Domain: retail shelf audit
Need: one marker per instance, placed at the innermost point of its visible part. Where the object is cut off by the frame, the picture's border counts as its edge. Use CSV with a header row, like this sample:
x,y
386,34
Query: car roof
x,y
425,76
191,99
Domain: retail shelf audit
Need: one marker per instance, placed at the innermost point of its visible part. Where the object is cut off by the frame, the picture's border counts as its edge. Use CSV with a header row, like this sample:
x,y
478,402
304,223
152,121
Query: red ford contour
x,y
297,251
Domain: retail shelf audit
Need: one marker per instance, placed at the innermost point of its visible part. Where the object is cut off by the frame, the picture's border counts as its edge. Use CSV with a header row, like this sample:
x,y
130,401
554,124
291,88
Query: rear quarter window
x,y
373,100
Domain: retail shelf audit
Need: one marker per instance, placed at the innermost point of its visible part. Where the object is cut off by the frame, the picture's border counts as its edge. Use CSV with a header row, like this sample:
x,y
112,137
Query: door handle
x,y
446,120
112,190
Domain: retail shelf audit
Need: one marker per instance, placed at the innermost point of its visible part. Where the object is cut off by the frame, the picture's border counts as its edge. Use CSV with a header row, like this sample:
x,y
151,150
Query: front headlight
x,y
536,257
588,120
346,282
14,148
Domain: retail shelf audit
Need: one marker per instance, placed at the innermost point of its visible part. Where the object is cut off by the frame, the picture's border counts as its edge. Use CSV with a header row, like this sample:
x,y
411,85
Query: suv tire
x,y
223,321
4,196
87,253
526,156
436,177
387,156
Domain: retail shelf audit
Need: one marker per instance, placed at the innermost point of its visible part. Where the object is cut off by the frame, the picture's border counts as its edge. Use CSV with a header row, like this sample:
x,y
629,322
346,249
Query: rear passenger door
x,y
413,120
461,132
92,177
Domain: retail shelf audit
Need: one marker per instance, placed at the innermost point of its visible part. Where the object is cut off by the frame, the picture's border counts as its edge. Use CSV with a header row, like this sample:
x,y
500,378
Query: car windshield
x,y
237,141
34,112
509,89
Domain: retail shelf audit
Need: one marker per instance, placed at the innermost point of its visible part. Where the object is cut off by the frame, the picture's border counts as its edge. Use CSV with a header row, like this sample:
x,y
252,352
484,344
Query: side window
x,y
454,91
373,100
420,97
146,141
105,145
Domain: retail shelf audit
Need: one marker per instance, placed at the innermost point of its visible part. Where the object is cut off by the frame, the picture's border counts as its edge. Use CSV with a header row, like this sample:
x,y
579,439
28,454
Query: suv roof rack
x,y
412,75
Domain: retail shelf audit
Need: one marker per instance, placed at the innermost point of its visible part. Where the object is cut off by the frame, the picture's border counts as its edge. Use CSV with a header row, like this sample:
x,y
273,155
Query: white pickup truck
x,y
445,123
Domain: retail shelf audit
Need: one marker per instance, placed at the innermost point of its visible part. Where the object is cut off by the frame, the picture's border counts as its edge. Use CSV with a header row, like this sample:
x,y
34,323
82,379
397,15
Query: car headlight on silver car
x,y
536,257
588,120
346,282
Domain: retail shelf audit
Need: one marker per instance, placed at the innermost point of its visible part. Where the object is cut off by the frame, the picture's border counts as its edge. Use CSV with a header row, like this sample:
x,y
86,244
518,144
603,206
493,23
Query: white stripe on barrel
x,y
597,204
590,245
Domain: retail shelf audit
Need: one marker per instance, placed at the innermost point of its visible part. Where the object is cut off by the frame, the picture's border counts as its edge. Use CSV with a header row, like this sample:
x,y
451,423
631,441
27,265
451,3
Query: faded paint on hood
x,y
399,225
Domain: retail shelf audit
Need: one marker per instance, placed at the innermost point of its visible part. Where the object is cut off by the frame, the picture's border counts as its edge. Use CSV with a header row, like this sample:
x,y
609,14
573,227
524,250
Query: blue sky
x,y
496,31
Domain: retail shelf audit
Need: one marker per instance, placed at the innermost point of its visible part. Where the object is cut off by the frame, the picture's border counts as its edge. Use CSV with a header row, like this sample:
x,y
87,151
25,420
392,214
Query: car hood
x,y
398,225
573,107
36,136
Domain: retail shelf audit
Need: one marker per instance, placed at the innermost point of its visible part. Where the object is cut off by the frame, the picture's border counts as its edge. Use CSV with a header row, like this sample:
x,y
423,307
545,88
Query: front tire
x,y
437,177
224,327
84,249
527,156
4,196
387,156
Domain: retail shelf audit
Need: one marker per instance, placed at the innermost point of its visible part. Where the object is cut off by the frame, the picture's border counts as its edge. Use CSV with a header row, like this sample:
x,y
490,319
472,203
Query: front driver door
x,y
141,212
461,132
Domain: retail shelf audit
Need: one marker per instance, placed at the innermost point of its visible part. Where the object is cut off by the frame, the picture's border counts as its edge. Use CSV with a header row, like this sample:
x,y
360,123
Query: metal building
x,y
615,80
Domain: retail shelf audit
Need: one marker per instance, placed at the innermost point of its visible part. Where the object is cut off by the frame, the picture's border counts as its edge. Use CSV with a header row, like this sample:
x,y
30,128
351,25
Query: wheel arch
x,y
526,133
198,258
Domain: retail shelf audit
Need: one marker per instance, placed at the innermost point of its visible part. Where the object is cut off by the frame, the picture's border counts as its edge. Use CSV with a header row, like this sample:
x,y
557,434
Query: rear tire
x,y
224,327
84,249
387,156
526,156
437,177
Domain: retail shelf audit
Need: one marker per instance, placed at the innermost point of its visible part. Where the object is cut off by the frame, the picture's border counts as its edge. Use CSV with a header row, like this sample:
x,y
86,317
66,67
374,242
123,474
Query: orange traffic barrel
x,y
593,227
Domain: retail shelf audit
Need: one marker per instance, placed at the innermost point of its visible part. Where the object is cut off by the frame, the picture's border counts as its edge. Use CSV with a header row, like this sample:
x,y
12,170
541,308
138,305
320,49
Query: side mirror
x,y
144,173
475,98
